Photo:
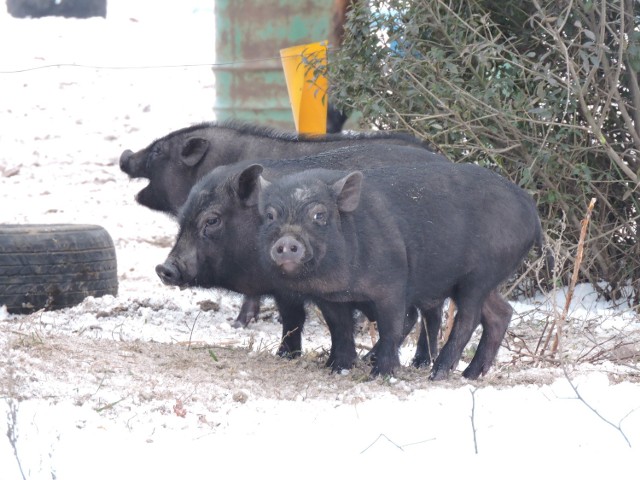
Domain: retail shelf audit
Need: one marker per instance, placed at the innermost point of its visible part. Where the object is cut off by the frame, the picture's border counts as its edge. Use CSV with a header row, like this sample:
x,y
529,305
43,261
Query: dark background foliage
x,y
544,92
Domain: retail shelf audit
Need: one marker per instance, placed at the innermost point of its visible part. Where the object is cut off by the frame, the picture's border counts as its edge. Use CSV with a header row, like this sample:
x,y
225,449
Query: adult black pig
x,y
217,244
398,237
175,162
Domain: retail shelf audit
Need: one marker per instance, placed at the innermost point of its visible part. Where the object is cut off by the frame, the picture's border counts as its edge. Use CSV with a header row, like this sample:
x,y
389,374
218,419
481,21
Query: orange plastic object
x,y
308,97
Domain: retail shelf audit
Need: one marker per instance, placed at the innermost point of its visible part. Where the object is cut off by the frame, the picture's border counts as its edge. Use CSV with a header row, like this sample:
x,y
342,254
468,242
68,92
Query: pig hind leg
x,y
427,347
466,320
496,315
409,323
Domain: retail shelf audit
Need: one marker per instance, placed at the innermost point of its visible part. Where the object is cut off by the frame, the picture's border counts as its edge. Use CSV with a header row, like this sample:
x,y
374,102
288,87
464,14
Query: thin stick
x,y
450,317
473,419
372,332
574,279
191,330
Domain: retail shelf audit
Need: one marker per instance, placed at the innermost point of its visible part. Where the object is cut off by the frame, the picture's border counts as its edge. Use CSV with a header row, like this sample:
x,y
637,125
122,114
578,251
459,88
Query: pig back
x,y
456,220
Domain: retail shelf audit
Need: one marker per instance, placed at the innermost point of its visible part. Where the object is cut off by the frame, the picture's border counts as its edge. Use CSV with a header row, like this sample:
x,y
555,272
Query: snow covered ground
x,y
155,383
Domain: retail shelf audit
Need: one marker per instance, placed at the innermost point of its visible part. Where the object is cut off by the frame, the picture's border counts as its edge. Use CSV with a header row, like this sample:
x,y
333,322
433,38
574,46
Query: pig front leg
x,y
496,315
248,312
292,314
390,318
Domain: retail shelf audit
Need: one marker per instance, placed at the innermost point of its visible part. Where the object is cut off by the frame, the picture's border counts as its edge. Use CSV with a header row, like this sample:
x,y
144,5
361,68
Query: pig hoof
x,y
288,354
242,321
370,358
338,369
471,373
377,370
338,366
421,362
438,374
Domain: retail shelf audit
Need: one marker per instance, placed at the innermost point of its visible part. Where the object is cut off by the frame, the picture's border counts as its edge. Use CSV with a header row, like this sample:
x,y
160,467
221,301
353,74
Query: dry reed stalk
x,y
450,317
372,333
559,322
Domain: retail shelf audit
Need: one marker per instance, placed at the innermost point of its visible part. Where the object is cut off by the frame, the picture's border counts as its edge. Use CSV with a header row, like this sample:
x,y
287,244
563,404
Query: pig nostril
x,y
167,274
288,250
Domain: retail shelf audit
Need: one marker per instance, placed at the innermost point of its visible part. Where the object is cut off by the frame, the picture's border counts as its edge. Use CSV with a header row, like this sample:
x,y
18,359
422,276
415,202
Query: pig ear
x,y
248,186
264,183
348,190
194,150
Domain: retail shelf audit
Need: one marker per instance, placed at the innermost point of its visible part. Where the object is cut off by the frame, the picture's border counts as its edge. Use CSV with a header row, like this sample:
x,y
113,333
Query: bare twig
x,y
598,414
473,419
12,415
111,405
559,323
382,435
191,330
12,435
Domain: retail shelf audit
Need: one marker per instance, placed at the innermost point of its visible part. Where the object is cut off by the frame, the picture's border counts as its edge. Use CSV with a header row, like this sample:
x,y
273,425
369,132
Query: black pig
x,y
393,238
217,244
175,162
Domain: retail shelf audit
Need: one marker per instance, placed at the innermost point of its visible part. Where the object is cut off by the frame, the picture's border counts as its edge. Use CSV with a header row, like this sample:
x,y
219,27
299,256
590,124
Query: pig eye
x,y
319,215
211,224
270,214
155,152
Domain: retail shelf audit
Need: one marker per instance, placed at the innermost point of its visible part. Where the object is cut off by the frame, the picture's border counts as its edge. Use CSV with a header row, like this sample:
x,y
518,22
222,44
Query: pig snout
x,y
288,253
124,160
169,273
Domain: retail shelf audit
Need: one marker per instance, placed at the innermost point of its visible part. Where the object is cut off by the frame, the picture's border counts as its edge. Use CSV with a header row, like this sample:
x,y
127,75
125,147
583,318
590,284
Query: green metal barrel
x,y
250,84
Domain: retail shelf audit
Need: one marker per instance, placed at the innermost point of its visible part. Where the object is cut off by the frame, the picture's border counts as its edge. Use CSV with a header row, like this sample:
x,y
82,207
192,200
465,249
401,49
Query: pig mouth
x,y
296,269
140,196
147,198
290,268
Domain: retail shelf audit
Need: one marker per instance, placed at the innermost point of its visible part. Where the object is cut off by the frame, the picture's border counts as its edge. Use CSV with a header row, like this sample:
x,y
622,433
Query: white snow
x,y
108,408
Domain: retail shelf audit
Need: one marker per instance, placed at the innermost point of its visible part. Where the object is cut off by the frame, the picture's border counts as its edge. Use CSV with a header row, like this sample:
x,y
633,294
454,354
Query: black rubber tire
x,y
58,8
55,266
